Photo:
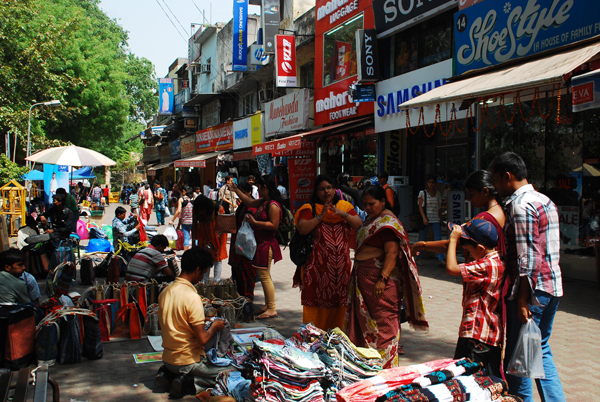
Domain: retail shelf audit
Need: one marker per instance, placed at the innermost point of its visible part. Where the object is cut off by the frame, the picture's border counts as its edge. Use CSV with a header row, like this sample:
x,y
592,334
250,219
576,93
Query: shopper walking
x,y
145,204
326,275
533,254
160,203
185,213
430,202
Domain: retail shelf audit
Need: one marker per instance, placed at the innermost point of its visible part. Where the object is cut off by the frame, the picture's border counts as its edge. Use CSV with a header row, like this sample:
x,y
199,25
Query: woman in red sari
x,y
384,273
204,236
326,275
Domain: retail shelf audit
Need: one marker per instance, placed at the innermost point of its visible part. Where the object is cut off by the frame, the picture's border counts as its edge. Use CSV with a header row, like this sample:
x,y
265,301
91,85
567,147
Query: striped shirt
x,y
533,242
187,212
433,205
483,281
145,264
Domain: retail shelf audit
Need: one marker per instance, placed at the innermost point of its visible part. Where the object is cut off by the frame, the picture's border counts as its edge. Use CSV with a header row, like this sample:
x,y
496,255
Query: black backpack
x,y
301,245
286,228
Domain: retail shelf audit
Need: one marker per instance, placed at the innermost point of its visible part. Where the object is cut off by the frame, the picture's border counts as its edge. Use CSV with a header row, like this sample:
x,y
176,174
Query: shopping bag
x,y
245,243
46,341
526,360
131,317
60,279
63,253
170,233
151,326
86,271
92,338
225,223
82,230
18,333
69,345
99,245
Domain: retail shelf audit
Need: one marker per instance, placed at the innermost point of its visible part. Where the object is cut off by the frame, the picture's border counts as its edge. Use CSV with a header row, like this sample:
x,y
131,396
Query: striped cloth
x,y
145,264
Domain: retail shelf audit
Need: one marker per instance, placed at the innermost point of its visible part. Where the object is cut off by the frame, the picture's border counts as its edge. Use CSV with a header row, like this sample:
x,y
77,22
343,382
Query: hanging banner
x,y
285,60
302,172
366,55
270,21
586,91
217,138
342,67
175,150
258,55
240,30
493,32
287,113
165,90
307,149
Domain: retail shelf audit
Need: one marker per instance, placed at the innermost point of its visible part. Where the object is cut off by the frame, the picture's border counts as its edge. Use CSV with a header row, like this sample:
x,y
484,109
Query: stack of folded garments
x,y
307,338
233,384
285,373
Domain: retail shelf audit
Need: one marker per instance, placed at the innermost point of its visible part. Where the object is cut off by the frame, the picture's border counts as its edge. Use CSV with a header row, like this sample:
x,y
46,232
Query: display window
x,y
339,51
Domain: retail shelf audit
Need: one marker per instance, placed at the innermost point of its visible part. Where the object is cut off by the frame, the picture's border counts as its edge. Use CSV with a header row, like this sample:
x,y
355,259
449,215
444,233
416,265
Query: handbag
x,y
60,279
151,326
225,223
416,219
301,245
130,315
17,330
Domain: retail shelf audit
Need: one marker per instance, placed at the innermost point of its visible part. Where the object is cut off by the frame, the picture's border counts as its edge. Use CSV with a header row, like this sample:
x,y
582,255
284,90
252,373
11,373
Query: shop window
x,y
406,53
307,77
435,43
248,104
339,51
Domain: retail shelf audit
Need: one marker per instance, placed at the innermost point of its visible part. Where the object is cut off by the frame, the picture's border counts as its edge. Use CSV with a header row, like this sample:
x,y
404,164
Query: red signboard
x,y
191,163
342,54
307,148
217,138
331,13
583,93
285,144
302,173
285,60
334,104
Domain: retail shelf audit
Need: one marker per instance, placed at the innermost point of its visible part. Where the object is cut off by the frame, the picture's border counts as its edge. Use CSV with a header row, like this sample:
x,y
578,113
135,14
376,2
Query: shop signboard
x,y
287,113
217,138
240,31
165,90
364,93
394,15
241,133
586,91
179,100
151,173
286,144
307,149
301,173
256,129
332,13
334,104
165,153
258,55
568,218
188,146
193,163
175,148
210,114
493,32
285,60
456,207
391,93
462,4
270,20
366,55
150,154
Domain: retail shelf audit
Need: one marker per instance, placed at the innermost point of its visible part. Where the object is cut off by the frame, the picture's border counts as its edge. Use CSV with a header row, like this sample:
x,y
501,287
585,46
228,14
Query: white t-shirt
x,y
433,205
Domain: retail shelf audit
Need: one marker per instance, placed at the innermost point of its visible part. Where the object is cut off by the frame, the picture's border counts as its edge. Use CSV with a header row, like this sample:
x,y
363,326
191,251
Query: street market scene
x,y
300,200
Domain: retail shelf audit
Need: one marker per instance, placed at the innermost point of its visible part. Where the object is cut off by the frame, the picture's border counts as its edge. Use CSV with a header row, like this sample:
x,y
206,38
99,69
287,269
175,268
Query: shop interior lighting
x,y
353,19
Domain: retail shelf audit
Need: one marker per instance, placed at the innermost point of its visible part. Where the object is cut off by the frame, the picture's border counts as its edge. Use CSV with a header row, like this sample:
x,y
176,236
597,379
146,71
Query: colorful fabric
x,y
204,235
187,211
145,264
161,203
96,192
481,295
533,242
266,239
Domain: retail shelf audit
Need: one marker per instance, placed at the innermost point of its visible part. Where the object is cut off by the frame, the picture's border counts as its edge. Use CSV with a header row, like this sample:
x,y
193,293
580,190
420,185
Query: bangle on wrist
x,y
318,217
345,216
424,245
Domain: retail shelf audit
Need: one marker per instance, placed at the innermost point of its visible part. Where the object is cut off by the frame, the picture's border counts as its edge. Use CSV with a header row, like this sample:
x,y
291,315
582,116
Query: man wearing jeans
x,y
533,253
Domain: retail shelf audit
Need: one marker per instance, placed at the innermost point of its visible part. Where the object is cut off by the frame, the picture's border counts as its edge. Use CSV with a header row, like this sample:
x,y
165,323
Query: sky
x,y
151,33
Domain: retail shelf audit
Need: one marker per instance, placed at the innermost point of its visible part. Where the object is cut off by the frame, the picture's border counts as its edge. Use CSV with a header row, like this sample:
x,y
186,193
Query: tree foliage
x,y
10,170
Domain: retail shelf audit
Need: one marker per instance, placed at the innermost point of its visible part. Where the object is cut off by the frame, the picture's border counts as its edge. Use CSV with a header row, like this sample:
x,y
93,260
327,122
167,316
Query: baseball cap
x,y
480,231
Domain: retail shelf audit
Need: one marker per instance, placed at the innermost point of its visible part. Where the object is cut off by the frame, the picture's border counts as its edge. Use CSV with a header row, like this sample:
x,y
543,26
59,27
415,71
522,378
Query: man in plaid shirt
x,y
480,334
533,253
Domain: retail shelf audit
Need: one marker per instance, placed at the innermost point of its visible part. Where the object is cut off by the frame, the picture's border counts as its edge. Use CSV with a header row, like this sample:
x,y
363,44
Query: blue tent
x,y
34,175
83,173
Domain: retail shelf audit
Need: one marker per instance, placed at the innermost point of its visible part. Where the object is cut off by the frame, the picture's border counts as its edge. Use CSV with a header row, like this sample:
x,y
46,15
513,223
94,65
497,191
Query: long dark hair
x,y
482,179
320,179
271,184
378,193
204,204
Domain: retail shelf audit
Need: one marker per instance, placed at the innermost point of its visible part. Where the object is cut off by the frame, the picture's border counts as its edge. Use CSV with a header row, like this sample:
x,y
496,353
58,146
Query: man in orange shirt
x,y
382,178
184,333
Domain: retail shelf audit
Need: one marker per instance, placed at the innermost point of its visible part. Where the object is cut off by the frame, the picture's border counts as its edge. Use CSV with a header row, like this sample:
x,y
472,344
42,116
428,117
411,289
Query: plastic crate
x,y
97,213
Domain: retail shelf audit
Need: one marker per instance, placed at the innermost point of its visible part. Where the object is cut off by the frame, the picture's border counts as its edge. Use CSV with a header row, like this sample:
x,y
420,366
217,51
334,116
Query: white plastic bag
x,y
167,211
170,233
526,360
245,243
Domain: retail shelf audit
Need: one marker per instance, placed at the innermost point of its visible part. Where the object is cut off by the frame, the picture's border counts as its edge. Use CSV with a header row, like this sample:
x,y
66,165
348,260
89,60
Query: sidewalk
x,y
574,338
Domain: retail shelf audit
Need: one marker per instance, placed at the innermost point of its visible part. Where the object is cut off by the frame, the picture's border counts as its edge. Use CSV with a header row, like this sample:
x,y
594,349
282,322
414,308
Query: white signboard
x,y
287,113
258,55
397,90
456,207
245,130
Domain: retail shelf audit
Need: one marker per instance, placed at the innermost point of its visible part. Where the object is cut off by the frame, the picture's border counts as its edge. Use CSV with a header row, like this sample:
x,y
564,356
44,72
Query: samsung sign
x,y
391,93
394,15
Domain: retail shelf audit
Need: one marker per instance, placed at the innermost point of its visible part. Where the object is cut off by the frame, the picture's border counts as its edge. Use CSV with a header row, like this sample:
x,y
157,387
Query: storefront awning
x,y
295,141
242,155
198,161
549,70
161,166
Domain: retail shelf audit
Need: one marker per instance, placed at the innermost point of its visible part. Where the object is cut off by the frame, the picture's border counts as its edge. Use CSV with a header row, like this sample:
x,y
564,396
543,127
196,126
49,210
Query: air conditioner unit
x,y
198,69
265,95
205,68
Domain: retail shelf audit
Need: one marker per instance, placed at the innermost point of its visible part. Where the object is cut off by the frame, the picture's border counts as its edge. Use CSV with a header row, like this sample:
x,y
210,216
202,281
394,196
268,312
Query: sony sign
x,y
394,15
366,54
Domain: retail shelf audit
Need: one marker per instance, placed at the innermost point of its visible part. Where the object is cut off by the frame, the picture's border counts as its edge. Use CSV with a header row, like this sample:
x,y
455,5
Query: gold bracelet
x,y
424,245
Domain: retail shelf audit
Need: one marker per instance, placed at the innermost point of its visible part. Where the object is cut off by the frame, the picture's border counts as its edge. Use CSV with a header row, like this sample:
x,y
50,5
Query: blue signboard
x,y
165,95
175,150
179,98
240,28
493,32
364,93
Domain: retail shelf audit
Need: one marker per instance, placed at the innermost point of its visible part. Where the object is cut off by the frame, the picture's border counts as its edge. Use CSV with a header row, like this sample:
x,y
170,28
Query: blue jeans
x,y
437,234
187,234
160,217
549,388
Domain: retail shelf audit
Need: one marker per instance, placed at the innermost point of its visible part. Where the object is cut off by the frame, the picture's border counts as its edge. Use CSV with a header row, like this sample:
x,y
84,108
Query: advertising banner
x,y
188,146
287,113
394,15
217,138
492,32
586,91
165,90
175,150
302,172
366,55
342,66
270,20
285,60
307,149
240,31
364,93
193,163
286,144
397,90
256,130
165,153
456,207
568,218
332,13
241,133
258,55
334,104
55,177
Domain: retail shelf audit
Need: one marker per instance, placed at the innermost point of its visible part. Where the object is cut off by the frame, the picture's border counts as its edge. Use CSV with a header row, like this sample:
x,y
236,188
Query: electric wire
x,y
175,26
175,16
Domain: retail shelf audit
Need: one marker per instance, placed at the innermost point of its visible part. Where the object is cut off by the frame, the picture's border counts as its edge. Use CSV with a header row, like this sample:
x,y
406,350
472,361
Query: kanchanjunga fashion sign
x,y
393,92
287,113
493,32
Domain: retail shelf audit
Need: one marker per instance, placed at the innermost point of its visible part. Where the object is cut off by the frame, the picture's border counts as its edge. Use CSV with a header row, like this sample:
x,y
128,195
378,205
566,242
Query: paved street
x,y
577,324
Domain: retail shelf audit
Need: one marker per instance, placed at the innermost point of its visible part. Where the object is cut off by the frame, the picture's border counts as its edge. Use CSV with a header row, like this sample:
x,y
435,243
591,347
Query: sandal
x,y
264,316
400,349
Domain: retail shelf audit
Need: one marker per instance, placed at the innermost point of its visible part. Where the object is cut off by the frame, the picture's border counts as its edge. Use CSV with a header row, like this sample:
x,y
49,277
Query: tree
x,y
10,170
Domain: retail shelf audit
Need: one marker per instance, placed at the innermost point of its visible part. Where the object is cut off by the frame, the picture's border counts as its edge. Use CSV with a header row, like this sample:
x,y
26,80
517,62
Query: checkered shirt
x,y
481,294
533,242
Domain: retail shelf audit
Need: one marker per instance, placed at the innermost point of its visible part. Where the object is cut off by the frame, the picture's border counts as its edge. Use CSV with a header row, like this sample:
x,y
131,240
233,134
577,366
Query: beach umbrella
x,y
71,156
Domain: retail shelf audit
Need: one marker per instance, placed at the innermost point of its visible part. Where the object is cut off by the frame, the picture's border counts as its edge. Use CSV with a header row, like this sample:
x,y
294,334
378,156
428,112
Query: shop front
x,y
246,132
216,140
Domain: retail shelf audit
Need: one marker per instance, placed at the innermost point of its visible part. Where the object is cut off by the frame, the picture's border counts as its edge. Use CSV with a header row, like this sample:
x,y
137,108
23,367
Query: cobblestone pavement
x,y
117,377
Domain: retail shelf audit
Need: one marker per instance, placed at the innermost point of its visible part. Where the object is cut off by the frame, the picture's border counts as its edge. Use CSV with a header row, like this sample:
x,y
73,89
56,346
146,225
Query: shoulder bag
x,y
301,245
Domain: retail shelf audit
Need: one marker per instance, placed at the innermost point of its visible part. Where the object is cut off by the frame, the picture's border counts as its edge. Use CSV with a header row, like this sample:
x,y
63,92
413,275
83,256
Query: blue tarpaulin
x,y
83,173
34,175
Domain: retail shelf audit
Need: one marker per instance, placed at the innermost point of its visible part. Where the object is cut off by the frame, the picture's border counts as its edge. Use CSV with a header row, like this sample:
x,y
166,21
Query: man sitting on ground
x,y
149,261
13,289
181,318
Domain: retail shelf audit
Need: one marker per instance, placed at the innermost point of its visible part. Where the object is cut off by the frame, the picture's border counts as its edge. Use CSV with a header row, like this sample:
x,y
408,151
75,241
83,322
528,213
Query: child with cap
x,y
480,333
